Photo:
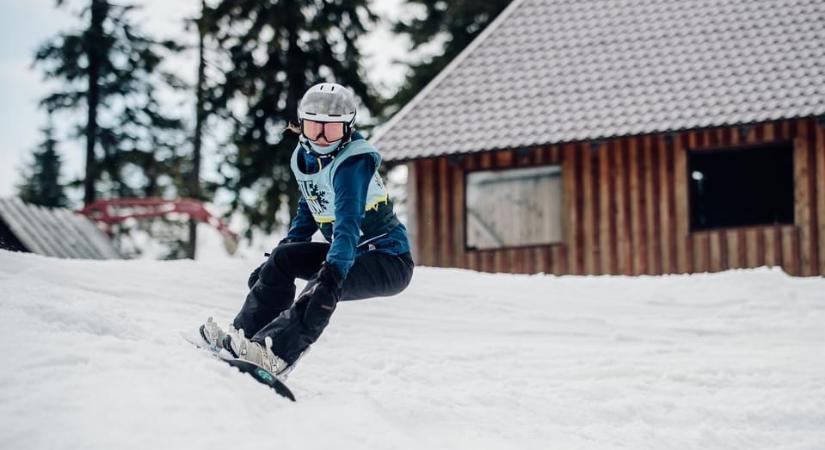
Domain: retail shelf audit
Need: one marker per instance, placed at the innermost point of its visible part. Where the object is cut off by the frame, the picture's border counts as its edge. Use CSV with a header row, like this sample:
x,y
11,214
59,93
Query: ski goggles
x,y
331,131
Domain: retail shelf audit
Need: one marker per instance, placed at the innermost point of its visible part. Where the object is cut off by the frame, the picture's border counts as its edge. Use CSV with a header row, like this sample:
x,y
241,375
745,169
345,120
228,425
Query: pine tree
x,y
144,150
460,20
274,51
107,68
41,180
193,179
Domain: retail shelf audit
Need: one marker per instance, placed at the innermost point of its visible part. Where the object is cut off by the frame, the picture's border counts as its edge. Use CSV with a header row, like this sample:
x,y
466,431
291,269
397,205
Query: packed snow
x,y
93,358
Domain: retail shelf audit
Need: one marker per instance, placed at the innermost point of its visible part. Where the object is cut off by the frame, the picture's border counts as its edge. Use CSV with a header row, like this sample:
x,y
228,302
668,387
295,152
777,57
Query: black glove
x,y
327,278
329,275
253,277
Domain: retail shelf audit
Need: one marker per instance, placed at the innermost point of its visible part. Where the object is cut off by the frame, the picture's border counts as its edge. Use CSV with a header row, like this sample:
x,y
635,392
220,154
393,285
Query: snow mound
x,y
93,358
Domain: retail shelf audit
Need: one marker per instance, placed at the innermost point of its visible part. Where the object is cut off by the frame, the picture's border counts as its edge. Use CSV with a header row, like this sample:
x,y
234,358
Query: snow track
x,y
93,359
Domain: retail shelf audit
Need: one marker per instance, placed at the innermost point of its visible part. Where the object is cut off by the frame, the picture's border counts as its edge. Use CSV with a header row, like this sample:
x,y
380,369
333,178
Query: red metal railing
x,y
113,211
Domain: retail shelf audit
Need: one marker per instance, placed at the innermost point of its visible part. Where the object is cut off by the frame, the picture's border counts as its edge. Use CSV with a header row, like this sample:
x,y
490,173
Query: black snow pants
x,y
269,310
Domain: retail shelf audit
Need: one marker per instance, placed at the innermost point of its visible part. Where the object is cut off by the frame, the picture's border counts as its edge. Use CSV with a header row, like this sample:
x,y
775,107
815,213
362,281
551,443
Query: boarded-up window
x,y
740,187
514,207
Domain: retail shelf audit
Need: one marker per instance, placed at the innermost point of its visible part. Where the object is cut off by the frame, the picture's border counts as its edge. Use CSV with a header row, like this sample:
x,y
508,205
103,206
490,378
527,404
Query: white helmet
x,y
328,102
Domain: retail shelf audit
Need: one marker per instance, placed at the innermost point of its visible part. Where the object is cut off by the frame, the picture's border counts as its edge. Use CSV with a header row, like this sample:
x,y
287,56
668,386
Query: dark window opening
x,y
741,187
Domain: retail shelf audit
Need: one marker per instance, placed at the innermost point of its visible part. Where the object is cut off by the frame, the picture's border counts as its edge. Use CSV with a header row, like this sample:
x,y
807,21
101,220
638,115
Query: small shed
x,y
623,137
57,232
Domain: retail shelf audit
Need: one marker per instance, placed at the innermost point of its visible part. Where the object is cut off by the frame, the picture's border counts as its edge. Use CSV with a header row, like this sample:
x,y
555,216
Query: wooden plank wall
x,y
626,208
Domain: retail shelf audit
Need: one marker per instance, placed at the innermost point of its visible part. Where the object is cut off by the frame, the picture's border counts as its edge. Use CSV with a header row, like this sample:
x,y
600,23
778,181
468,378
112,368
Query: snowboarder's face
x,y
322,133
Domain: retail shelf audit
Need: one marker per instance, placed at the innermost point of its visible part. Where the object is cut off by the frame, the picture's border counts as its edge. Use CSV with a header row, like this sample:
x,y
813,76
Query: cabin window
x,y
515,207
741,187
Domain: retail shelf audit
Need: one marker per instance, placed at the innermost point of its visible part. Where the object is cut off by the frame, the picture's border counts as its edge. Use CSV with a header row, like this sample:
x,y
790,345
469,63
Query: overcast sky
x,y
25,24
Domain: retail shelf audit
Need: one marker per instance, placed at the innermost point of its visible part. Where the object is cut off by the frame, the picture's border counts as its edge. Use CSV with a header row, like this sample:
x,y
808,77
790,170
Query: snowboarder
x,y
368,254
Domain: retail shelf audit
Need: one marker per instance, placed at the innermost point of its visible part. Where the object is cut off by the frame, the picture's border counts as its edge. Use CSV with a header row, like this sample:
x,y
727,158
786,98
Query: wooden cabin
x,y
639,137
56,232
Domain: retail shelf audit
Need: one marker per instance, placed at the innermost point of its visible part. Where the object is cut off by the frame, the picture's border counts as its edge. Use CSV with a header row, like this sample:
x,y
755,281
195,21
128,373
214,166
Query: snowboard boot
x,y
239,347
212,335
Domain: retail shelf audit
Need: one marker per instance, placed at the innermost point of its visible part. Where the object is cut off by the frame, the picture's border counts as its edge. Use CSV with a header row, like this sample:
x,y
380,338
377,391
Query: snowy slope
x,y
461,360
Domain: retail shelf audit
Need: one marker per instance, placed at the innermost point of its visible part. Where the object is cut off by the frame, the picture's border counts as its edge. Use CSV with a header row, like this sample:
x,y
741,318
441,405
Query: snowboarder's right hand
x,y
253,277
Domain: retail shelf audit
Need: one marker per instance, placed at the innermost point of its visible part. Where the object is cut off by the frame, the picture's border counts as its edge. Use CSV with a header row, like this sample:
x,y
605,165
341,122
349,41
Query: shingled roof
x,y
57,232
552,71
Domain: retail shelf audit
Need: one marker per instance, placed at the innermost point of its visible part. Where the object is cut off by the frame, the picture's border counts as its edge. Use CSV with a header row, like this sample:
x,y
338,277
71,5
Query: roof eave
x,y
820,117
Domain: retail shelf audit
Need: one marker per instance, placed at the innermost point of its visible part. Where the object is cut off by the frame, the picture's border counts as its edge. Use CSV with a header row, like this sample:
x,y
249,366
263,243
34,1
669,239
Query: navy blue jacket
x,y
351,182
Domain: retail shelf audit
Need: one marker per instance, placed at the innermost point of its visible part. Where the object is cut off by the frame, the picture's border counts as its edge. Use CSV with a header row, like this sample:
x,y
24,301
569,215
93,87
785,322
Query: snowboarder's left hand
x,y
330,276
317,301
327,278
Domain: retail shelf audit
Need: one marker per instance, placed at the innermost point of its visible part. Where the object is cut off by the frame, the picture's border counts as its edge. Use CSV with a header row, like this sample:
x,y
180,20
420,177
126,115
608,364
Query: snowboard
x,y
258,373
261,375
